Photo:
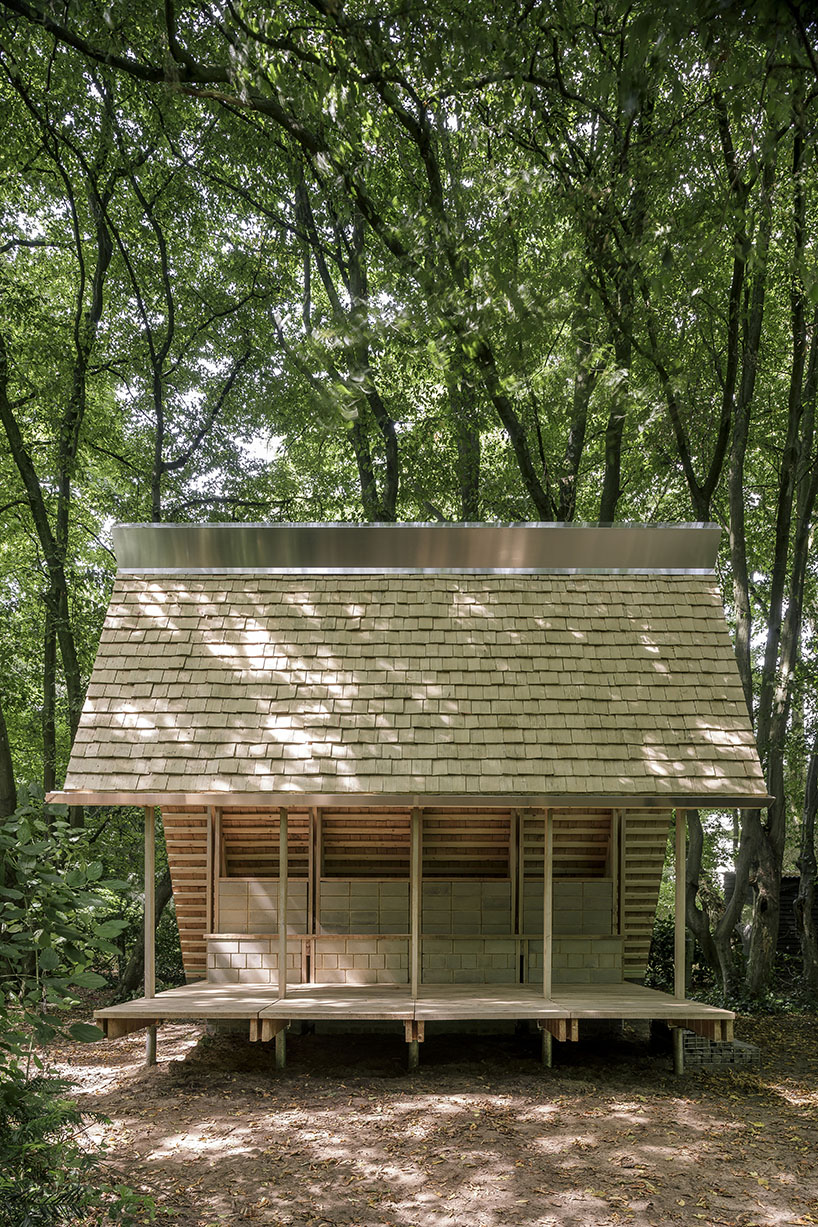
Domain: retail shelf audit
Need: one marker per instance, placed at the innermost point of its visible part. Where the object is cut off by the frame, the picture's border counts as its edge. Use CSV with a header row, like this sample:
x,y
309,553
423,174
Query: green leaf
x,y
94,871
49,959
85,1033
110,928
88,979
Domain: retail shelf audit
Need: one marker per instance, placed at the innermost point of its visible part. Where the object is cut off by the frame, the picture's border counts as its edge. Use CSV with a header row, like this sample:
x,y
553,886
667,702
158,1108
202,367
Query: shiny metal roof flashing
x,y
417,549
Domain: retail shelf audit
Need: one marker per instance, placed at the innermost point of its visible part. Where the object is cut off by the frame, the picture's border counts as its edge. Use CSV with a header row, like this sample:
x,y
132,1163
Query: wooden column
x,y
282,903
150,924
415,897
209,901
679,926
547,901
219,867
679,985
614,870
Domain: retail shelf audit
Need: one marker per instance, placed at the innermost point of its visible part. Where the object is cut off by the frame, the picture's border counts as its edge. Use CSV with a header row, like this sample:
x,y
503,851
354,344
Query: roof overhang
x,y
493,549
293,800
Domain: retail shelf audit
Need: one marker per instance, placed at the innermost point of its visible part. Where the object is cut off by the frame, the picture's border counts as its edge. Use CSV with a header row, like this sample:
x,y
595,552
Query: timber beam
x,y
718,1029
562,1029
262,1030
115,1028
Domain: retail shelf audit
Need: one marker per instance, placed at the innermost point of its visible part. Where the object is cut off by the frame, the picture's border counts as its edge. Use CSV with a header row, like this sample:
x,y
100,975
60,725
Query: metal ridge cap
x,y
397,525
385,570
409,547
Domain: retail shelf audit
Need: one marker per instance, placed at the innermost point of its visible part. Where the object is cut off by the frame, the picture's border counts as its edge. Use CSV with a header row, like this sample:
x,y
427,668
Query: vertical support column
x,y
282,905
415,897
679,985
209,900
150,924
218,864
547,902
679,925
614,870
547,1048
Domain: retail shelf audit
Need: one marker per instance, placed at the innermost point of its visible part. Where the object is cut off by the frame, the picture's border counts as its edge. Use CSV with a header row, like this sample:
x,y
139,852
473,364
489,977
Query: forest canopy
x,y
437,261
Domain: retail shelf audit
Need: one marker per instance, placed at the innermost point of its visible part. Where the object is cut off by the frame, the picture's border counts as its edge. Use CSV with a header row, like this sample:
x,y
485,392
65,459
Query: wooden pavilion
x,y
415,772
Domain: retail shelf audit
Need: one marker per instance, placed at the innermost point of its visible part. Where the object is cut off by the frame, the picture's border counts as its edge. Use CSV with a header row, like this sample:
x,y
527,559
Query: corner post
x,y
547,902
282,904
679,985
415,897
150,924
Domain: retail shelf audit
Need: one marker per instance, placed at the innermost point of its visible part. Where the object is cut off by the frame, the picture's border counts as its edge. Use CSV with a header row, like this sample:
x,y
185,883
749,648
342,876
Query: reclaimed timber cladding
x,y
365,842
186,841
250,843
643,849
582,843
462,842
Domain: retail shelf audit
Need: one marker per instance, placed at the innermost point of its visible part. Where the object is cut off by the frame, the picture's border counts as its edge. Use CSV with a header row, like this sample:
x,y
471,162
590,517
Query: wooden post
x,y
547,901
679,926
282,907
547,1048
614,867
415,898
281,1048
209,872
150,924
218,867
679,985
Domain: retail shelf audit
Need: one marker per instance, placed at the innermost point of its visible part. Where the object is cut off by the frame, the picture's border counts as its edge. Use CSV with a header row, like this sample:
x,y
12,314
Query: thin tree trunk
x,y
134,973
805,899
49,709
698,920
8,789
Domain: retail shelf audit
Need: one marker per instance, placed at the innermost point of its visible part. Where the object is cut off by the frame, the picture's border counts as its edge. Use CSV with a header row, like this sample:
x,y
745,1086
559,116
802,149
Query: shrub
x,y
53,927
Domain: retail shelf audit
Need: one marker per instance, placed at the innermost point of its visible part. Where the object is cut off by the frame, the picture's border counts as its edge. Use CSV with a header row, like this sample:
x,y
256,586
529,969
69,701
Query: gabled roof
x,y
402,683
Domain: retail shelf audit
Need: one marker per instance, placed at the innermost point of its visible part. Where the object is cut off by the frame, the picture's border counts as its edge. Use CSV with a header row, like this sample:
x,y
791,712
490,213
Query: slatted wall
x,y
643,847
250,842
365,843
374,843
582,843
466,843
186,840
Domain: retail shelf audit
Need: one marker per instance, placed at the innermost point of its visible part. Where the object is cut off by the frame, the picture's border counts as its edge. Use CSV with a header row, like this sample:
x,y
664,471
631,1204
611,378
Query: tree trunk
x,y
8,789
805,900
698,920
134,973
49,720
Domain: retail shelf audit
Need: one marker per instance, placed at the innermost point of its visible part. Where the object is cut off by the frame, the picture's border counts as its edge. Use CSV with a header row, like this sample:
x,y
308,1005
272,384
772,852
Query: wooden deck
x,y
313,1002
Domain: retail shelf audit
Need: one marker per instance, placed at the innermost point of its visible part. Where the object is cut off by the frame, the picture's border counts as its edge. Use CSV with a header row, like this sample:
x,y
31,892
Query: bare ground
x,y
480,1136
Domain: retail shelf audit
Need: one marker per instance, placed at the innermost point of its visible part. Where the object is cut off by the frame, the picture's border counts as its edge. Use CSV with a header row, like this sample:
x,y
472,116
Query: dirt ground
x,y
480,1136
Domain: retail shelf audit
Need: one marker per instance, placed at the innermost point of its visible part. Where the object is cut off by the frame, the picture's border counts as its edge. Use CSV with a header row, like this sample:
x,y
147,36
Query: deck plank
x,y
444,1002
200,1000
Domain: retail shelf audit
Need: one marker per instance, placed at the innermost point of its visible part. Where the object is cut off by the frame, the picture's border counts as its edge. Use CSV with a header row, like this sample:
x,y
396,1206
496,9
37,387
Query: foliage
x,y
53,928
307,264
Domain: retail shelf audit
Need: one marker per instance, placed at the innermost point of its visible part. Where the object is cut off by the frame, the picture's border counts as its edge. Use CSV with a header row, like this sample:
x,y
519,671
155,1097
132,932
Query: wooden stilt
x,y
415,1032
150,924
281,1048
547,1048
282,909
678,1051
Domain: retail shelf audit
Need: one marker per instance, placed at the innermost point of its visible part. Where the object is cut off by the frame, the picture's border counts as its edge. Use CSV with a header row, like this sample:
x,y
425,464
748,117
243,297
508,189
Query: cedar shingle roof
x,y
397,684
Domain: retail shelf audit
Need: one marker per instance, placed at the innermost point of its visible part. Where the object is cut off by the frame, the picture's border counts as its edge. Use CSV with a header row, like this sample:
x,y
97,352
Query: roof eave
x,y
295,800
